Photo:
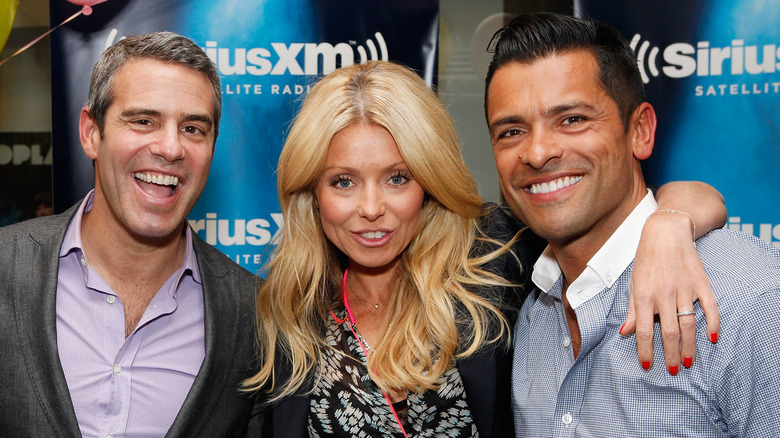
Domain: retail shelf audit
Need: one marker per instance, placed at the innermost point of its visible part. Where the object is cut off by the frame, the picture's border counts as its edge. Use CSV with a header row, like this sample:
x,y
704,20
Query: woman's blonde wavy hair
x,y
432,318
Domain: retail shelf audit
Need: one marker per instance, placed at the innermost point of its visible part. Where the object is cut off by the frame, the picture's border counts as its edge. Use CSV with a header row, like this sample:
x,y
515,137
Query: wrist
x,y
673,211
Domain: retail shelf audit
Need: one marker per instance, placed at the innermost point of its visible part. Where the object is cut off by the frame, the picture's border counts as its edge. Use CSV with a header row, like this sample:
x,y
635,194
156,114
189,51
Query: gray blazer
x,y
34,397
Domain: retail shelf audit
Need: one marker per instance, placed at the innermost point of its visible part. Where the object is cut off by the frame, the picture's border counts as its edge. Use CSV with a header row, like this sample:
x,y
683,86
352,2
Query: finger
x,y
630,323
644,332
687,326
670,332
710,306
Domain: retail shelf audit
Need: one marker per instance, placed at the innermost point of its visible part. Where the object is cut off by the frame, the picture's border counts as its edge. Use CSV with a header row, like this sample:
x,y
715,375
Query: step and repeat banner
x,y
269,53
712,71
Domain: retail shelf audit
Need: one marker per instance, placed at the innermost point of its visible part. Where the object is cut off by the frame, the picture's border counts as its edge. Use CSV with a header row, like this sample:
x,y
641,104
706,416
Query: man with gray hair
x,y
115,318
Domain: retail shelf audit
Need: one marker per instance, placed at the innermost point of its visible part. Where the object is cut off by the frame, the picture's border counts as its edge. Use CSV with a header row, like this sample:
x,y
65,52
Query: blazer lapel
x,y
36,262
220,311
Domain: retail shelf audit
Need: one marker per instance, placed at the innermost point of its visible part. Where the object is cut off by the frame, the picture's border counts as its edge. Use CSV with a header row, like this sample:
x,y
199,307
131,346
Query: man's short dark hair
x,y
531,37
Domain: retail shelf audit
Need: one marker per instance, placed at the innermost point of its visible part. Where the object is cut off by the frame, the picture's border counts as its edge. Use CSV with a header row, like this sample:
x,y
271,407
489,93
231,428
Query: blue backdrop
x,y
712,71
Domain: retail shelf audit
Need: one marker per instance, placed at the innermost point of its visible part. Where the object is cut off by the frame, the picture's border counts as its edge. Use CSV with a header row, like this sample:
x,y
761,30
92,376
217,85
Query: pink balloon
x,y
86,5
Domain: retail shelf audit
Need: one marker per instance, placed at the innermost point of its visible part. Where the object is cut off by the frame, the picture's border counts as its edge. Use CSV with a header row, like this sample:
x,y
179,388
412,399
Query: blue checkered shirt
x,y
732,390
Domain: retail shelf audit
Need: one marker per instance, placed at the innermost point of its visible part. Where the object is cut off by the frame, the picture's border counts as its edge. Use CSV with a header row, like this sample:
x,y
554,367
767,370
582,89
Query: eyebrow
x,y
355,170
566,107
508,120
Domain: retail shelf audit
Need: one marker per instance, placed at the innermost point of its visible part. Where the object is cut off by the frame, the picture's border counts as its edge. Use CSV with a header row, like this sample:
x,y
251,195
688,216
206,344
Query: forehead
x,y
551,80
364,142
151,79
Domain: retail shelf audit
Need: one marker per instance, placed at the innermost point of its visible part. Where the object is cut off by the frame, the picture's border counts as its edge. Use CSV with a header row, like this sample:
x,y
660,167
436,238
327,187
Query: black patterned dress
x,y
347,403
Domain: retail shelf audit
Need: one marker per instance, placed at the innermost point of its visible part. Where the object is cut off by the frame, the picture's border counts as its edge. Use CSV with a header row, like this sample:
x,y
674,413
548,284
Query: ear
x,y
643,124
89,134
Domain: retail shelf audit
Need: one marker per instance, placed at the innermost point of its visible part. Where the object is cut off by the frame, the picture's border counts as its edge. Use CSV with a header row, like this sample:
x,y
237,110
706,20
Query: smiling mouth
x,y
551,186
373,235
157,184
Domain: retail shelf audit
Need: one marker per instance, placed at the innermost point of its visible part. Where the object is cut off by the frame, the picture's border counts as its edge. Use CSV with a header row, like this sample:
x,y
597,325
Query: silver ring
x,y
687,312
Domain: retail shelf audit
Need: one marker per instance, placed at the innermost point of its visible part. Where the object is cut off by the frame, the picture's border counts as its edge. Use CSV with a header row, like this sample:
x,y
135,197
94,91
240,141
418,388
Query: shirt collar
x,y
74,242
606,265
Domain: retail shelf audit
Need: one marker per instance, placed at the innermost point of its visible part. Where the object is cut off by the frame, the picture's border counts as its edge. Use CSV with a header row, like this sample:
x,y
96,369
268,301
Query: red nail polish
x,y
621,329
714,338
687,361
646,365
673,370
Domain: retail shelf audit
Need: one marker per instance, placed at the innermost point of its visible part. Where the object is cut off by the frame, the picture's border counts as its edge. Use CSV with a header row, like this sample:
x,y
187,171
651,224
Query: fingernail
x,y
646,365
673,370
714,338
621,329
687,361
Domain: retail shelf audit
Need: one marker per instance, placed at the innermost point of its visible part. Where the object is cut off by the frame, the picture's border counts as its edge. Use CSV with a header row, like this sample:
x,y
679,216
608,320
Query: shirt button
x,y
111,299
83,261
109,436
566,418
609,278
117,369
566,342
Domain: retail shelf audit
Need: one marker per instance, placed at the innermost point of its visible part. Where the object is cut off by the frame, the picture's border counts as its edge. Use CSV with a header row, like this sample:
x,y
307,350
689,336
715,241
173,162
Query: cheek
x,y
504,163
334,211
200,159
410,210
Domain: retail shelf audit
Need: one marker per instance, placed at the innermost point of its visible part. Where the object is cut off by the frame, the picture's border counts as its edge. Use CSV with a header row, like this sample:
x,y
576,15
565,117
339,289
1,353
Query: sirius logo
x,y
282,58
640,58
255,232
682,59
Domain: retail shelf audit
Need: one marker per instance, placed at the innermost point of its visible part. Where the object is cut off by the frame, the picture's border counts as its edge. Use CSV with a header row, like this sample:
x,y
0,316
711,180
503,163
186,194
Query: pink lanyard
x,y
351,324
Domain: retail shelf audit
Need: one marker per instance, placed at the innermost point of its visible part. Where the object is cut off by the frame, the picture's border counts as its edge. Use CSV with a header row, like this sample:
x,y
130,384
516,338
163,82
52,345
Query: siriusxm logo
x,y
283,58
260,61
255,232
681,60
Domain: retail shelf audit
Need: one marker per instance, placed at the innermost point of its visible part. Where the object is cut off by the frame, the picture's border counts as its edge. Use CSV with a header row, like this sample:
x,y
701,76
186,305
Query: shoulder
x,y
745,276
739,259
39,229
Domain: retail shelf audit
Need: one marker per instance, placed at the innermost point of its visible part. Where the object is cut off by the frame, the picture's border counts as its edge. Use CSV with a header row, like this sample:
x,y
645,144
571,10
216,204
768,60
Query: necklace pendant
x,y
376,306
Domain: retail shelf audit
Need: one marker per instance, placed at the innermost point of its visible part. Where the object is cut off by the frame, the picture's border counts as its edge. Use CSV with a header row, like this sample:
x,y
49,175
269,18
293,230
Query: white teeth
x,y
373,235
554,185
154,178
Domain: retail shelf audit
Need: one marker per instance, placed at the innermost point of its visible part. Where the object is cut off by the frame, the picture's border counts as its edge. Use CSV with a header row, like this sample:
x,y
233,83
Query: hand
x,y
668,278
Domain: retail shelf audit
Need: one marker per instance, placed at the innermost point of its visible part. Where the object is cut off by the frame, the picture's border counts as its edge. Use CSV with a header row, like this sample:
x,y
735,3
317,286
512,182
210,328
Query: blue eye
x,y
397,180
341,182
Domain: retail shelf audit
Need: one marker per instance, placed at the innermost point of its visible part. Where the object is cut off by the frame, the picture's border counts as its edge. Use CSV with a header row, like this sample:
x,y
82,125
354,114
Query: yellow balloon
x,y
7,15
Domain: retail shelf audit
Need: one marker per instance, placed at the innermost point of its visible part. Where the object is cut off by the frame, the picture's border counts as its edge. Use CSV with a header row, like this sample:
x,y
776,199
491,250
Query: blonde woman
x,y
387,305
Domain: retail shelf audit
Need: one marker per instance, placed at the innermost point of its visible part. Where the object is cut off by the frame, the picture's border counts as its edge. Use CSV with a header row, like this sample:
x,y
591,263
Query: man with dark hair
x,y
569,126
115,318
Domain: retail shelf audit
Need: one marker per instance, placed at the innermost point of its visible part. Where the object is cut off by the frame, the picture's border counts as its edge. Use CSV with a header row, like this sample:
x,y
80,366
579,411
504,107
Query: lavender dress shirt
x,y
134,386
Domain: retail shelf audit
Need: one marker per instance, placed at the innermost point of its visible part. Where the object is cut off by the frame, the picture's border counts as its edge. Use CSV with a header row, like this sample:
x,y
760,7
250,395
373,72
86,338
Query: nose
x,y
168,144
372,202
542,148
